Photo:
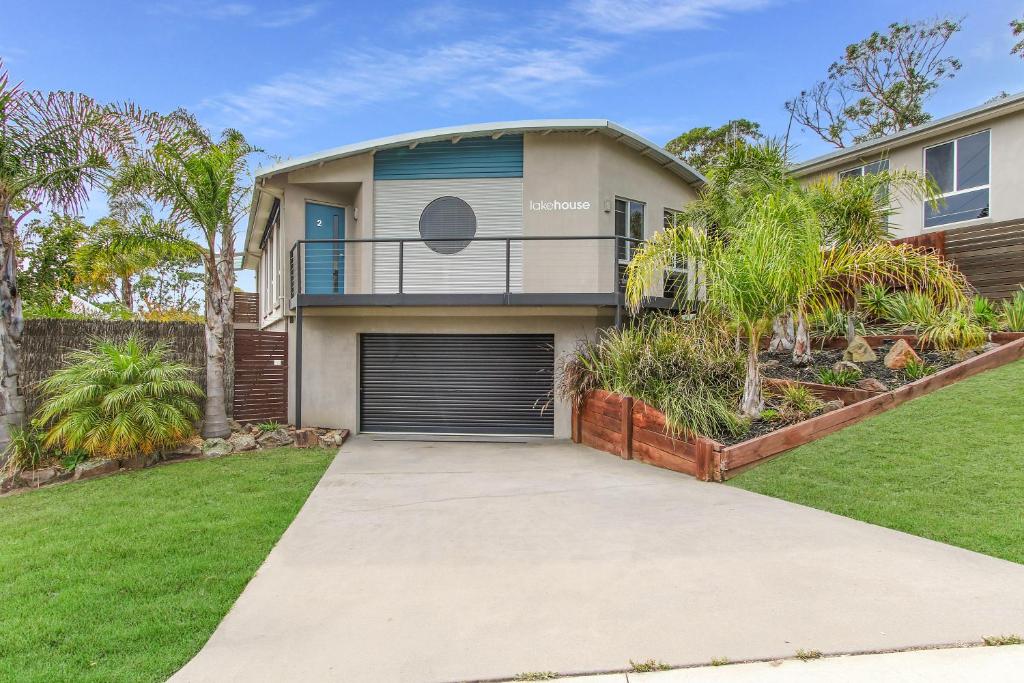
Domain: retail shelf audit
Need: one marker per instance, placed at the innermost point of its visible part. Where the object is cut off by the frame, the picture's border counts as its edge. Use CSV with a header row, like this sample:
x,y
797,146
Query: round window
x,y
448,224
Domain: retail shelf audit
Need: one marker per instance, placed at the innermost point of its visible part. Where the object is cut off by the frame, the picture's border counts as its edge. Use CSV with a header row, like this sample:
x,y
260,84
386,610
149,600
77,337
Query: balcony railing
x,y
541,269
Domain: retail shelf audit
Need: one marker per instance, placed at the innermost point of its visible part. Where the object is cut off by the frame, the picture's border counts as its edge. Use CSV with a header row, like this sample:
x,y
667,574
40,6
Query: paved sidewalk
x,y
960,665
462,561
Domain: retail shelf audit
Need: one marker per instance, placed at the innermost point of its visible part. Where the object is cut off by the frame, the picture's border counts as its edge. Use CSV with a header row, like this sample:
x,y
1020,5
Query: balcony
x,y
478,271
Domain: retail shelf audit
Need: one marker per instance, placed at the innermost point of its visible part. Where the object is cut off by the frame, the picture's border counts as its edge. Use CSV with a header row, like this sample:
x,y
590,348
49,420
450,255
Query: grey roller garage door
x,y
457,383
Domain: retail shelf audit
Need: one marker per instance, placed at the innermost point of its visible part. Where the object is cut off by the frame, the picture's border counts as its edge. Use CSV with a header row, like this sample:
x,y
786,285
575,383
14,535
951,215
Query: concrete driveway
x,y
460,561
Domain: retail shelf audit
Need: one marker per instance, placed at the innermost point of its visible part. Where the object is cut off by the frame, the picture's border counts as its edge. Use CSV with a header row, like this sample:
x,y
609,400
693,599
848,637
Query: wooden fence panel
x,y
261,376
246,308
991,257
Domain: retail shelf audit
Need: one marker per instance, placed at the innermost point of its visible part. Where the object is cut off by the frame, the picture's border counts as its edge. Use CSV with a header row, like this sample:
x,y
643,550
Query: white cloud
x,y
240,11
632,16
444,76
446,15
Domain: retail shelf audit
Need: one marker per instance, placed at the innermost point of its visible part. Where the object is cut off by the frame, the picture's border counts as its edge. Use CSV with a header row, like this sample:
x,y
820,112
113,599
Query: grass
x,y
948,466
125,578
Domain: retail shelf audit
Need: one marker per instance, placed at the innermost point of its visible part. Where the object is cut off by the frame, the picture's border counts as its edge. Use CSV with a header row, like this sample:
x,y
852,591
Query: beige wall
x,y
1006,173
565,167
330,344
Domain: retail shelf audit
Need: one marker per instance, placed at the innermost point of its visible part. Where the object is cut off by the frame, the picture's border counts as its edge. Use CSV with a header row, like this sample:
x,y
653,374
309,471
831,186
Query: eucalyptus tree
x,y
202,182
53,148
770,258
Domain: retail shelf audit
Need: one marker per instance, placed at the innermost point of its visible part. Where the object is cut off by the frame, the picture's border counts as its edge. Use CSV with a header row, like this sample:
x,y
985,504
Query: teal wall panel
x,y
468,158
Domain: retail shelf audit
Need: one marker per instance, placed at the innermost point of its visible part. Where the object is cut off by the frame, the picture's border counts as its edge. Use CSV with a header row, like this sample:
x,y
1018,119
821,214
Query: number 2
x,y
319,222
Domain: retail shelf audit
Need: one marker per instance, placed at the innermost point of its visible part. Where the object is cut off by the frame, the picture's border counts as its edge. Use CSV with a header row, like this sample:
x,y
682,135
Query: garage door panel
x,y
457,384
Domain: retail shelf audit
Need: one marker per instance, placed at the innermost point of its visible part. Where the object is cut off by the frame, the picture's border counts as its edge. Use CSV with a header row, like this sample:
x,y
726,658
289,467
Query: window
x,y
445,219
960,169
866,169
676,276
270,265
629,223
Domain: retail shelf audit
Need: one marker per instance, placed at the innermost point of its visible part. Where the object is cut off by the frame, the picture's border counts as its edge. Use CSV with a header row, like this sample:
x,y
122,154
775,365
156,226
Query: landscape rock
x,y
333,438
95,468
11,482
214,448
39,477
960,355
306,438
135,462
242,442
899,355
871,384
185,450
234,425
988,346
859,351
829,406
846,365
278,437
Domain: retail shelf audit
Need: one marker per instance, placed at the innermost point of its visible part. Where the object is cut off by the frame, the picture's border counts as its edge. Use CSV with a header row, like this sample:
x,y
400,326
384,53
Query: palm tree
x,y
201,181
769,260
53,148
115,253
858,211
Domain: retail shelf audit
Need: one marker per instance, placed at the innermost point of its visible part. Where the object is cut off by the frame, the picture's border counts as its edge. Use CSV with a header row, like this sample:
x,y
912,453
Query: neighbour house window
x,y
676,277
960,170
866,169
629,223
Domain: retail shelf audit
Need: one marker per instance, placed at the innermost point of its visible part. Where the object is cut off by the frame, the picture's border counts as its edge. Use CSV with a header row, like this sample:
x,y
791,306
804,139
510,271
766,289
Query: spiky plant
x,y
1011,312
119,399
954,328
984,312
872,300
909,310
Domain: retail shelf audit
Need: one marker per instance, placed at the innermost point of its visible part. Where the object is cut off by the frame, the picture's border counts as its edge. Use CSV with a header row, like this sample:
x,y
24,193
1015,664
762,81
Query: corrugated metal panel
x,y
469,158
457,384
477,269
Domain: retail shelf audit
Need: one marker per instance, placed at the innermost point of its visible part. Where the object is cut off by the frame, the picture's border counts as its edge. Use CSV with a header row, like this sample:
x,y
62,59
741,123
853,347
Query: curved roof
x,y
604,126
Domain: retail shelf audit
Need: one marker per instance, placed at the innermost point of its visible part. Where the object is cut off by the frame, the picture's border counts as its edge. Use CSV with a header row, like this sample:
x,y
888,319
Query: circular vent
x,y
449,219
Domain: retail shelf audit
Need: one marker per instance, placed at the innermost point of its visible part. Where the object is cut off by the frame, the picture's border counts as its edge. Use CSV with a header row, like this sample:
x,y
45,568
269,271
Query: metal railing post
x,y
401,267
508,267
617,284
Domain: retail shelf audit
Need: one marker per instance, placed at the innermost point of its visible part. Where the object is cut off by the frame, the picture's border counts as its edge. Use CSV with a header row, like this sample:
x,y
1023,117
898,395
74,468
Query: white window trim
x,y
271,280
861,167
956,173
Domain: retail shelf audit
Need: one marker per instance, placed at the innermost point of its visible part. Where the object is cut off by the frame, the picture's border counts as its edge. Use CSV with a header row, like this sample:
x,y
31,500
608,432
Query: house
x,y
427,282
974,158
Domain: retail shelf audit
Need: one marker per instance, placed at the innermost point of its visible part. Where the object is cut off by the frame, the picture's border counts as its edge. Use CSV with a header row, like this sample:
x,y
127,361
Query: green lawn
x,y
125,578
948,466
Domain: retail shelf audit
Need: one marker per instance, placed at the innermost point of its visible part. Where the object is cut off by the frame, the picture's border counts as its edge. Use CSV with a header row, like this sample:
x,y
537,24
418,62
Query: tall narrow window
x,y
960,170
677,277
629,225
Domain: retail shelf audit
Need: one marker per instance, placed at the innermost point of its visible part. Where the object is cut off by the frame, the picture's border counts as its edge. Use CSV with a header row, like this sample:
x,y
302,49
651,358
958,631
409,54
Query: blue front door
x,y
325,262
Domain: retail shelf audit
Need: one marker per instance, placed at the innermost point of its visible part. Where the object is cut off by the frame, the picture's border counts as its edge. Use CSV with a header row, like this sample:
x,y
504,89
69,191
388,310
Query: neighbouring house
x,y
428,281
974,158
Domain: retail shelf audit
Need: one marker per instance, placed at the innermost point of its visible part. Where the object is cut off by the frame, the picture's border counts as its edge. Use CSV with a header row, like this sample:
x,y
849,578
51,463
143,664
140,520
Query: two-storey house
x,y
428,282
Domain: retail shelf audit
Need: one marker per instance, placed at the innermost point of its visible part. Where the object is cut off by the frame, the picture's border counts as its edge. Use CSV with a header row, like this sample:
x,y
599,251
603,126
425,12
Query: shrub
x,y
25,450
831,322
1011,312
119,399
872,300
687,369
954,328
984,313
797,403
270,426
838,378
916,369
909,310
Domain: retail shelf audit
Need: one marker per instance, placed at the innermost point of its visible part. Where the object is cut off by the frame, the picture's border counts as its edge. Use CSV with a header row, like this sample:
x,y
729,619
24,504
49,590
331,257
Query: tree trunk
x,y
802,342
127,294
220,306
851,327
12,404
782,333
753,399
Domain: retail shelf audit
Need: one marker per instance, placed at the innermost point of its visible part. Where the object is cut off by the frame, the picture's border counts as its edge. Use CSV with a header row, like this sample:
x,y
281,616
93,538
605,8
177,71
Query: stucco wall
x,y
330,356
1006,173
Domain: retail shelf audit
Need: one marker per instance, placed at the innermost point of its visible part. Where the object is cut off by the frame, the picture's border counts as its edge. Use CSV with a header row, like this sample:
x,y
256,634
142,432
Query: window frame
x,y
862,167
956,175
628,247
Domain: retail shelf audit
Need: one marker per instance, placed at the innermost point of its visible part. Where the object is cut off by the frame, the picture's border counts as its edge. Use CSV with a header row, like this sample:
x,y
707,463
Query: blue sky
x,y
300,76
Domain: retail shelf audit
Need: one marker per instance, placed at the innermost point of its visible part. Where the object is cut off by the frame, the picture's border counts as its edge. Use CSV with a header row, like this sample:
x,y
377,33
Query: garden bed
x,y
633,430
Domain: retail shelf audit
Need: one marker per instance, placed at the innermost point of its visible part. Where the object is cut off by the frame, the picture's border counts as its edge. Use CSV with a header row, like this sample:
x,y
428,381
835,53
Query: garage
x,y
485,384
